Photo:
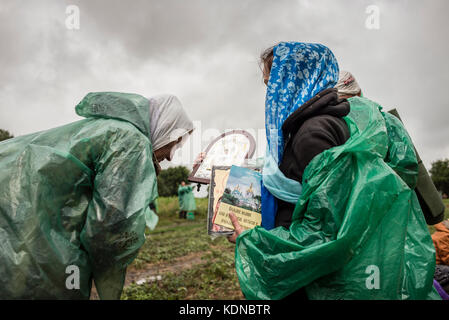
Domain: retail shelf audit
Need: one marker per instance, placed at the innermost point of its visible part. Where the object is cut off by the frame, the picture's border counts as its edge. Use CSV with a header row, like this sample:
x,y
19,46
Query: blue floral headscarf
x,y
299,72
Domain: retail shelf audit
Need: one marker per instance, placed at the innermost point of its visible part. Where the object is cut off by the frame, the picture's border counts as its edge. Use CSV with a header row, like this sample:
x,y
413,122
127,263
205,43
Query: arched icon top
x,y
230,148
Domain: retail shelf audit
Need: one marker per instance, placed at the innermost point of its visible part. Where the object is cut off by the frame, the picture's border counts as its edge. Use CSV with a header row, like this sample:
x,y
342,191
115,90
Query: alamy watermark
x,y
72,20
372,21
72,282
372,282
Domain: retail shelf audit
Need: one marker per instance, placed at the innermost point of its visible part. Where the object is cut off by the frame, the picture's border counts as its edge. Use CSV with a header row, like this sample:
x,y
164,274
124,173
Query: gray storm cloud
x,y
206,52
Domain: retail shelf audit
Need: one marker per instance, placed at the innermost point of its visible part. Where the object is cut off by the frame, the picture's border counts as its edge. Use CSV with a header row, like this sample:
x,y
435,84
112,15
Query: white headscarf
x,y
347,85
168,120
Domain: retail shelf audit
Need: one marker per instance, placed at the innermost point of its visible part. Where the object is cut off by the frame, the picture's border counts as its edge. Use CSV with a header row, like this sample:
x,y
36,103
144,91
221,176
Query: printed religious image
x,y
217,186
242,196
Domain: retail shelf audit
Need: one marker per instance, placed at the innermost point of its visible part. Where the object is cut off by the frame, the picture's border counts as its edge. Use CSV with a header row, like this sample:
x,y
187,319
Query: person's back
x,y
441,242
74,201
186,199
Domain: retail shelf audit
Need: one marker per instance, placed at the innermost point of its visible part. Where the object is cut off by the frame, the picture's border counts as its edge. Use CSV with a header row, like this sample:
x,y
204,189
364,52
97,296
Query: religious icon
x,y
230,148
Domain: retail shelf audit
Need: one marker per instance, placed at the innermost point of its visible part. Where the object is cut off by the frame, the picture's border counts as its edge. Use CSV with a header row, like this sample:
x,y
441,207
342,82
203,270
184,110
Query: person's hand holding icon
x,y
237,228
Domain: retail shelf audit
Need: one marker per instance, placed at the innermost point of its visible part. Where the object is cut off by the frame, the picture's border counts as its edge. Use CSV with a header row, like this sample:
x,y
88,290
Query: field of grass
x,y
180,261
446,215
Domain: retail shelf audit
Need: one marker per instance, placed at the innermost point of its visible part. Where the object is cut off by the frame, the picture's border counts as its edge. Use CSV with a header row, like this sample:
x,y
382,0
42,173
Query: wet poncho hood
x,y
129,107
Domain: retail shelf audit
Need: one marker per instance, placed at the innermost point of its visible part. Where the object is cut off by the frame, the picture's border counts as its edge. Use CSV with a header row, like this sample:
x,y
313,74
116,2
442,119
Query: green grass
x,y
214,278
205,268
174,237
446,215
171,242
211,275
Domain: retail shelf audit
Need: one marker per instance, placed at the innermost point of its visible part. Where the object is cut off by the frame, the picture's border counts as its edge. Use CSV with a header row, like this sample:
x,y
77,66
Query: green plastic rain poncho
x,y
77,197
358,231
186,199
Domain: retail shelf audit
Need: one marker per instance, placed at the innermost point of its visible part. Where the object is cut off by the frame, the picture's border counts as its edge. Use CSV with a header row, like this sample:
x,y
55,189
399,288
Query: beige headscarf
x,y
347,85
168,120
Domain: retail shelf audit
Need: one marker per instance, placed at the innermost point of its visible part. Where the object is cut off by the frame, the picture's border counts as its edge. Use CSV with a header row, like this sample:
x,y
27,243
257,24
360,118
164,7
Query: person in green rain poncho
x,y
340,218
75,200
187,204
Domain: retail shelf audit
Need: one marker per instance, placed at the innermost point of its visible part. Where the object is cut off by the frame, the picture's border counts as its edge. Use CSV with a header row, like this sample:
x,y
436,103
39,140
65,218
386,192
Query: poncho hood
x,y
128,107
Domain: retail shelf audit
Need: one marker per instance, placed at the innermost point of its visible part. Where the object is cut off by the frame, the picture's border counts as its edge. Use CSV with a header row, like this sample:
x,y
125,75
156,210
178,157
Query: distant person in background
x,y
441,242
187,204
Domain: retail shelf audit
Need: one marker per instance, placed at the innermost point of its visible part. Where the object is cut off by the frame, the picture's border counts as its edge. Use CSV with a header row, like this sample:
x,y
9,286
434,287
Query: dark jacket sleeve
x,y
315,136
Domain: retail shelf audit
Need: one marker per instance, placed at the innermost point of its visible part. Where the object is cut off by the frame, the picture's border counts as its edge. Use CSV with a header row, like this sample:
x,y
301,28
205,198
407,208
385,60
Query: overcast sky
x,y
206,52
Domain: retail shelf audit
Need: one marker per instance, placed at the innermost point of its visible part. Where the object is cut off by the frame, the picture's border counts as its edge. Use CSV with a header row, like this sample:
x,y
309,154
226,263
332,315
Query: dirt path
x,y
158,269
153,271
